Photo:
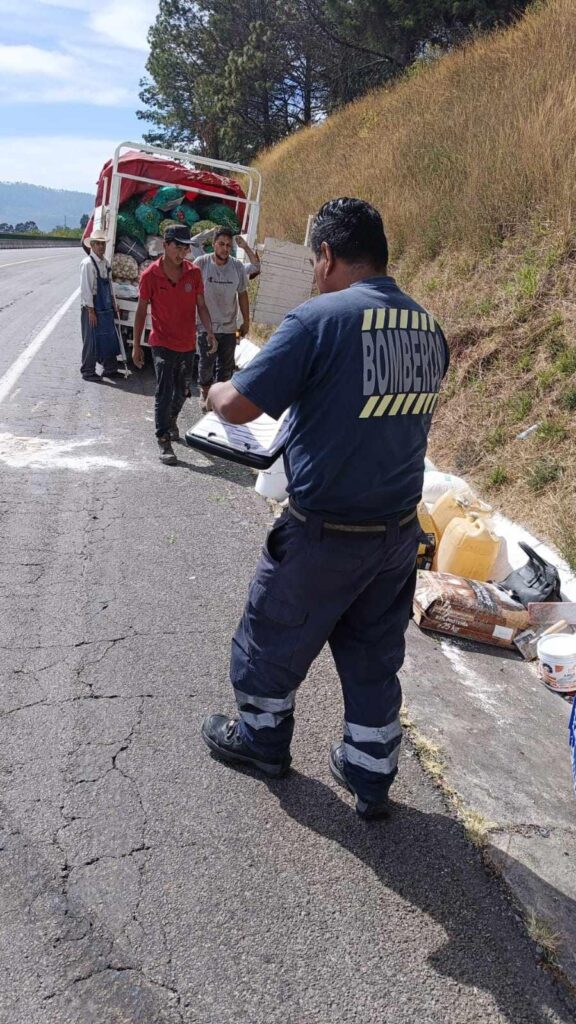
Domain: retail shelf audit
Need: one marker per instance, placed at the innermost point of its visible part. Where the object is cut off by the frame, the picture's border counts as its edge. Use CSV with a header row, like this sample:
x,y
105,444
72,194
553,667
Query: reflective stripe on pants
x,y
354,592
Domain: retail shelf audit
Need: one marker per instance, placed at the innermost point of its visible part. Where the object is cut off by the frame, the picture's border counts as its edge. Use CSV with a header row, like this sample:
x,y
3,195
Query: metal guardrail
x,y
23,241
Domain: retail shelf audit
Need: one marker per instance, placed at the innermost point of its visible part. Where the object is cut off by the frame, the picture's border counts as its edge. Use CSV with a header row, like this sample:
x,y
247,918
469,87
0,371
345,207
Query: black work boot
x,y
220,733
167,455
364,809
174,432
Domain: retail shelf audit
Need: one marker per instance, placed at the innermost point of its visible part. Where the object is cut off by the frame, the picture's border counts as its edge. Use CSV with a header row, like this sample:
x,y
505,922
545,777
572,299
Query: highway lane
x,y
140,881
33,285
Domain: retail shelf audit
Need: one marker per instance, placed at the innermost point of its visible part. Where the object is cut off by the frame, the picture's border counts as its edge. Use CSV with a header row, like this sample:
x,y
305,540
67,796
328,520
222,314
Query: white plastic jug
x,y
272,482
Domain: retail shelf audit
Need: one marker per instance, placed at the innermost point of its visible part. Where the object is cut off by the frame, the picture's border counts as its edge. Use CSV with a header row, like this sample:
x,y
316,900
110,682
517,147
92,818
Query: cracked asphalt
x,y
141,881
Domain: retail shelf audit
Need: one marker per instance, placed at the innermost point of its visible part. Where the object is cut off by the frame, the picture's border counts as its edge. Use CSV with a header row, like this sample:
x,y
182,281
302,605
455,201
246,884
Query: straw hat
x,y
96,236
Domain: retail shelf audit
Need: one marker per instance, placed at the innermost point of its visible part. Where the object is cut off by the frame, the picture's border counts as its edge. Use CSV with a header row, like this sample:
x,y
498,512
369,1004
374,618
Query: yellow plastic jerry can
x,y
453,504
469,547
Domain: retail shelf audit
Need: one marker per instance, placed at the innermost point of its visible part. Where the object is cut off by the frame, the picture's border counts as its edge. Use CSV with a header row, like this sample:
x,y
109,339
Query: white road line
x,y
20,263
9,379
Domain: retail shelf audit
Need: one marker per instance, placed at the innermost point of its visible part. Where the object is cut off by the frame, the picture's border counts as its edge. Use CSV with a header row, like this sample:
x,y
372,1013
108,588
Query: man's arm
x,y
139,322
87,281
231,405
244,304
206,322
251,254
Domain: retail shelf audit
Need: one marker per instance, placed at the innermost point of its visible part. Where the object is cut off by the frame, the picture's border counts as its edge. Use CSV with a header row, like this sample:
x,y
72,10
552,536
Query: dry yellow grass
x,y
472,161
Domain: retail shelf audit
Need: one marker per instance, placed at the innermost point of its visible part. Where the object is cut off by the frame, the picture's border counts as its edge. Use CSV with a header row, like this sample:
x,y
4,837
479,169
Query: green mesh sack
x,y
130,204
128,225
202,225
185,213
166,223
222,215
148,217
168,197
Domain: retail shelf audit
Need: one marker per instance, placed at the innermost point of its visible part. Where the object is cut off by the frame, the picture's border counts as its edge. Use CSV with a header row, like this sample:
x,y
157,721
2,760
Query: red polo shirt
x,y
172,306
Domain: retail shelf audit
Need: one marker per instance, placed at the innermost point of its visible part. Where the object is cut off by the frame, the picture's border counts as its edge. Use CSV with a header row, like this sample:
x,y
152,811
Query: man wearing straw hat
x,y
98,309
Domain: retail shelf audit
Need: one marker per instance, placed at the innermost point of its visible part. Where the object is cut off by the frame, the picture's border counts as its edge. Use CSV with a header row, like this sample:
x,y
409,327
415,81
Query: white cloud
x,y
125,22
94,56
33,61
57,161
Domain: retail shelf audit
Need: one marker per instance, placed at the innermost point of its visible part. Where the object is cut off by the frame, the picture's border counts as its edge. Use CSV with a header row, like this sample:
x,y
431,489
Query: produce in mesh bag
x,y
129,205
222,215
128,225
166,223
168,197
148,217
125,290
185,213
132,247
155,245
202,225
124,268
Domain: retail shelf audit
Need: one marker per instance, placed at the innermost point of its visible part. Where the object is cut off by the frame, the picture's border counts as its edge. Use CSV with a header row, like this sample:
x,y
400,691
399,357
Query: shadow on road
x,y
428,861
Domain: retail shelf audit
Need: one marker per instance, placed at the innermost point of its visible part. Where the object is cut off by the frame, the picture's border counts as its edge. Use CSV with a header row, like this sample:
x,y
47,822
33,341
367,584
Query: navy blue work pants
x,y
354,591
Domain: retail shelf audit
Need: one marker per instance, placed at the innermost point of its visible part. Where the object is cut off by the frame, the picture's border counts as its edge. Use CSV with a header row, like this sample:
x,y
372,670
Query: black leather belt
x,y
351,527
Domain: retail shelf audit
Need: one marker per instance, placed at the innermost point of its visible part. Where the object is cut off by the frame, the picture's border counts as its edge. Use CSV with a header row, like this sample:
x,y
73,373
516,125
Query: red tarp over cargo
x,y
169,171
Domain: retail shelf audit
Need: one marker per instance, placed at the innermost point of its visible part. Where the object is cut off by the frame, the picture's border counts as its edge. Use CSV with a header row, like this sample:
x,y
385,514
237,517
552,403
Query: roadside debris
x,y
467,608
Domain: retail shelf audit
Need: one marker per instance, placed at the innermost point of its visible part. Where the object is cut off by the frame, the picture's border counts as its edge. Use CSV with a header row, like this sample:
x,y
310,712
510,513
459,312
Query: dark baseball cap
x,y
180,234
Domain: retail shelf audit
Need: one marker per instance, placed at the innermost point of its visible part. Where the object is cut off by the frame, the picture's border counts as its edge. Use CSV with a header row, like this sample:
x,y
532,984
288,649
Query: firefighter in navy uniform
x,y
360,367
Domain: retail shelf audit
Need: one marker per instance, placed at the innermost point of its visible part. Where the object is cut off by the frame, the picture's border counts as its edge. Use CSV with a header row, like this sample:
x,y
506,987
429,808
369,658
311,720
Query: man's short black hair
x,y
223,232
354,231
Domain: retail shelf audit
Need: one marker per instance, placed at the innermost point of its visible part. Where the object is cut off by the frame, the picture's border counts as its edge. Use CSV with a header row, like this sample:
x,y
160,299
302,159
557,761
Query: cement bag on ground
x,y
222,215
148,217
154,245
124,268
436,484
272,482
185,213
132,247
460,607
167,197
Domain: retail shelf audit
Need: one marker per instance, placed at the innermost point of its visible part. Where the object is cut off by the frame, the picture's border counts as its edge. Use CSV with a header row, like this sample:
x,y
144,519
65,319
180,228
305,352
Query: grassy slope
x,y
473,163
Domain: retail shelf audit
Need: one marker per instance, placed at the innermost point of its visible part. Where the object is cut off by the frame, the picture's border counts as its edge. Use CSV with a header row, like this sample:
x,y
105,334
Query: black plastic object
x,y
242,456
256,444
535,582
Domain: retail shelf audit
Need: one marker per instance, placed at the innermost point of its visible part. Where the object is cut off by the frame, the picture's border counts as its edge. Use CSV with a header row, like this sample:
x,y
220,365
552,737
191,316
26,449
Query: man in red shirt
x,y
173,288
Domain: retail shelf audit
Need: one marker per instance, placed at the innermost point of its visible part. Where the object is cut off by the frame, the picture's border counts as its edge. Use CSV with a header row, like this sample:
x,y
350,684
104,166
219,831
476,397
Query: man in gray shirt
x,y
225,288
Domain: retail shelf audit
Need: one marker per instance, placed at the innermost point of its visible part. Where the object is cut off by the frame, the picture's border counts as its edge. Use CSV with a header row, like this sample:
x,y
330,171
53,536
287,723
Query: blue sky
x,y
69,74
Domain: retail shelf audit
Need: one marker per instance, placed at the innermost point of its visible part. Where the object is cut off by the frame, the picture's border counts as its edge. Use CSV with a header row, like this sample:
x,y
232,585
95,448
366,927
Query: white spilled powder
x,y
44,453
483,691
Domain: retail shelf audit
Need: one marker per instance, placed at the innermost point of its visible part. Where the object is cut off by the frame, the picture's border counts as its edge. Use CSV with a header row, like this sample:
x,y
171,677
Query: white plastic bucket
x,y
272,482
557,661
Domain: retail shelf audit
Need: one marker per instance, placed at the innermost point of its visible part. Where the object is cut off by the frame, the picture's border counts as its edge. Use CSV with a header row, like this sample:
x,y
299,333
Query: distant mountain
x,y
47,207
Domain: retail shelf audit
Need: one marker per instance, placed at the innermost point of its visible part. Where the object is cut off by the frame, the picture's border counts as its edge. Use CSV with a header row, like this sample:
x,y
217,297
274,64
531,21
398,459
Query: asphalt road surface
x,y
141,881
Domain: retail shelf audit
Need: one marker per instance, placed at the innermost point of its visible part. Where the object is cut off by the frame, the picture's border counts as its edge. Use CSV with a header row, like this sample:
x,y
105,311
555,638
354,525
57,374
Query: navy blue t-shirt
x,y
361,370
